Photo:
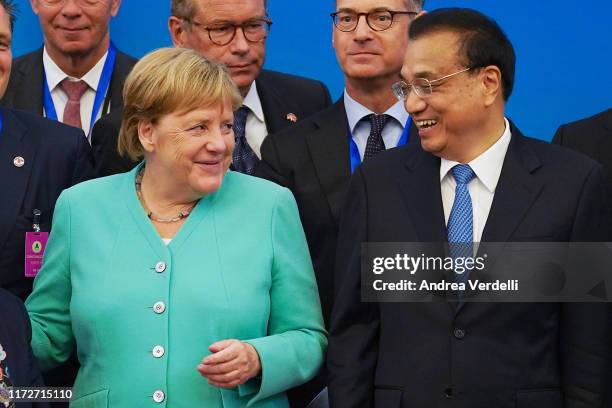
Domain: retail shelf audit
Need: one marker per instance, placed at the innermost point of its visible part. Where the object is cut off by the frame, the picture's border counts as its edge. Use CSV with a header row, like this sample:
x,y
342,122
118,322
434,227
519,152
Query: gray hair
x,y
186,8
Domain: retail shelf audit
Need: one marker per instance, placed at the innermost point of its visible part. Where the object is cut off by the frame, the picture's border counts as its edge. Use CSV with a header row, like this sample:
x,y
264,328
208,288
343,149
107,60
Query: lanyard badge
x,y
103,85
35,243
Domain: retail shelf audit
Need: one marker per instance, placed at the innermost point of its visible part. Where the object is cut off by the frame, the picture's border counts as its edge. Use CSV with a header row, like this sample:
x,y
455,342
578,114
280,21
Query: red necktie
x,y
72,111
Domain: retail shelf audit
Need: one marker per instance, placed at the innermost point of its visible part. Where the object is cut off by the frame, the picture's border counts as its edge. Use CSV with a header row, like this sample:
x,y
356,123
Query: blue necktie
x,y
244,158
461,220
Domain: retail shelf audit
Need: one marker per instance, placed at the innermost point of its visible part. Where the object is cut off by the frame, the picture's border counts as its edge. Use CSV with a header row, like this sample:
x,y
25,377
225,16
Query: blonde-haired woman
x,y
180,283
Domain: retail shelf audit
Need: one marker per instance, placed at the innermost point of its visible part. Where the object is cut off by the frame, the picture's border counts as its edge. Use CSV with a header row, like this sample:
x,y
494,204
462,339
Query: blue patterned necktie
x,y
461,220
244,158
375,141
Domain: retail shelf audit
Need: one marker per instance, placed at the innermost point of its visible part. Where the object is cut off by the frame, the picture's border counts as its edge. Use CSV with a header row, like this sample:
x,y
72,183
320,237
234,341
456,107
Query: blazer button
x,y
160,267
448,393
158,351
159,307
159,396
459,333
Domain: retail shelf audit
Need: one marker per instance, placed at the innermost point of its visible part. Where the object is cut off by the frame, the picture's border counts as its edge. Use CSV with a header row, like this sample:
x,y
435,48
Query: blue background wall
x,y
564,67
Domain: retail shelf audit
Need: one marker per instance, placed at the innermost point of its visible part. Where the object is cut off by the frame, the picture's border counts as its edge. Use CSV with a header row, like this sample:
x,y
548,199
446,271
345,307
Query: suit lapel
x,y
420,189
14,142
114,97
516,190
274,107
515,193
329,149
608,119
31,72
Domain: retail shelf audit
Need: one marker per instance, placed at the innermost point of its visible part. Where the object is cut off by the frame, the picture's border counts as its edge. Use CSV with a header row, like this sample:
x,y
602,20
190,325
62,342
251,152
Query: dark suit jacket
x,y
56,156
279,93
593,137
15,337
25,87
505,355
312,159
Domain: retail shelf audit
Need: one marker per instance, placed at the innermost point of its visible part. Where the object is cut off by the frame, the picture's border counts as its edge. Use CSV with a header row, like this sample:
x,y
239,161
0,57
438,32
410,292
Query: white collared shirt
x,y
487,168
360,129
255,129
55,75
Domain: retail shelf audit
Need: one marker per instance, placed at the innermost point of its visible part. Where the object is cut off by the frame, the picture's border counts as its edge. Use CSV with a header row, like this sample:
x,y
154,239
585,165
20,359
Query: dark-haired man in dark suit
x,y
473,178
232,32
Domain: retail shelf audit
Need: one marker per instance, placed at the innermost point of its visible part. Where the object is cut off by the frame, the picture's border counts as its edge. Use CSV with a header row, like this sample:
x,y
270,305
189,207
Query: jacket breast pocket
x,y
388,397
98,399
539,398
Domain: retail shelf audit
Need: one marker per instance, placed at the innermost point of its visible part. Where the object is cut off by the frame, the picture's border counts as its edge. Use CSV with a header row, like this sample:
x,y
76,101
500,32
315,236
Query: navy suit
x,y
593,137
19,367
502,355
55,156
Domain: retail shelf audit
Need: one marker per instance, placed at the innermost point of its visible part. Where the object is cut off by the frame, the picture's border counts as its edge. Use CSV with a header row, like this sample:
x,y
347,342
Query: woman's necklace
x,y
181,215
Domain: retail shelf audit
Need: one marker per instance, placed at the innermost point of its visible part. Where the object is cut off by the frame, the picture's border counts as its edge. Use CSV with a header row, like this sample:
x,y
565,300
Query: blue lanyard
x,y
105,78
1,123
356,159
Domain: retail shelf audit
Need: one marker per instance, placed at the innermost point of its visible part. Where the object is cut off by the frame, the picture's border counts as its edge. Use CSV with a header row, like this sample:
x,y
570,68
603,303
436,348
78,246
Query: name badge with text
x,y
35,244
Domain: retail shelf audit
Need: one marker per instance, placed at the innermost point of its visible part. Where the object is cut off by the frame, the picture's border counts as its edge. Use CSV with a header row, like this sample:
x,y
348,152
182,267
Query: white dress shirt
x,y
360,129
55,75
255,129
487,168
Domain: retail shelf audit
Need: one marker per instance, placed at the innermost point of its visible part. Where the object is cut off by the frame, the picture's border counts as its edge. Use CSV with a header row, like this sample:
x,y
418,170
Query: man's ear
x,y
146,135
115,7
34,5
491,78
177,31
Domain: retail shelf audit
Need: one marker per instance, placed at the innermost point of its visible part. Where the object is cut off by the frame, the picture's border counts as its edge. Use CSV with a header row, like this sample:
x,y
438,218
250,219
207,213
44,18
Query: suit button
x,y
158,351
160,267
459,333
159,396
159,307
448,393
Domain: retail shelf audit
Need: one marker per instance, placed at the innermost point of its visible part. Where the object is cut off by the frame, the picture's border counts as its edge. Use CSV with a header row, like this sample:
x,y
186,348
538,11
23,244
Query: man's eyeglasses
x,y
82,3
422,87
222,34
378,20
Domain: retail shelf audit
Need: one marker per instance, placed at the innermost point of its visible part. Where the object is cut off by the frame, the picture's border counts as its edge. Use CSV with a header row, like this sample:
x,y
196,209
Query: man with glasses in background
x,y
316,158
77,76
473,178
233,32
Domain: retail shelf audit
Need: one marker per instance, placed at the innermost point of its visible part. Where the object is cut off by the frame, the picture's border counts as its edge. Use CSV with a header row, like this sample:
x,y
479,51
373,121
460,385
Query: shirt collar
x,y
252,101
55,75
356,111
488,165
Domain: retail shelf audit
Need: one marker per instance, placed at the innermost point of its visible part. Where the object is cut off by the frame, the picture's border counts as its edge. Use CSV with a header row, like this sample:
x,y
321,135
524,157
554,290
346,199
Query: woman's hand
x,y
232,363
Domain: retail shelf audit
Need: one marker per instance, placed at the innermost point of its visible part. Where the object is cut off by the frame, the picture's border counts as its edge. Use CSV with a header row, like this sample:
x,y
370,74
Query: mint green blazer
x,y
142,314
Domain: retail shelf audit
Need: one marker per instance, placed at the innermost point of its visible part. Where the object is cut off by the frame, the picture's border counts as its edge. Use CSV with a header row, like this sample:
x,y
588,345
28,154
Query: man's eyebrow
x,y
423,74
228,22
346,10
